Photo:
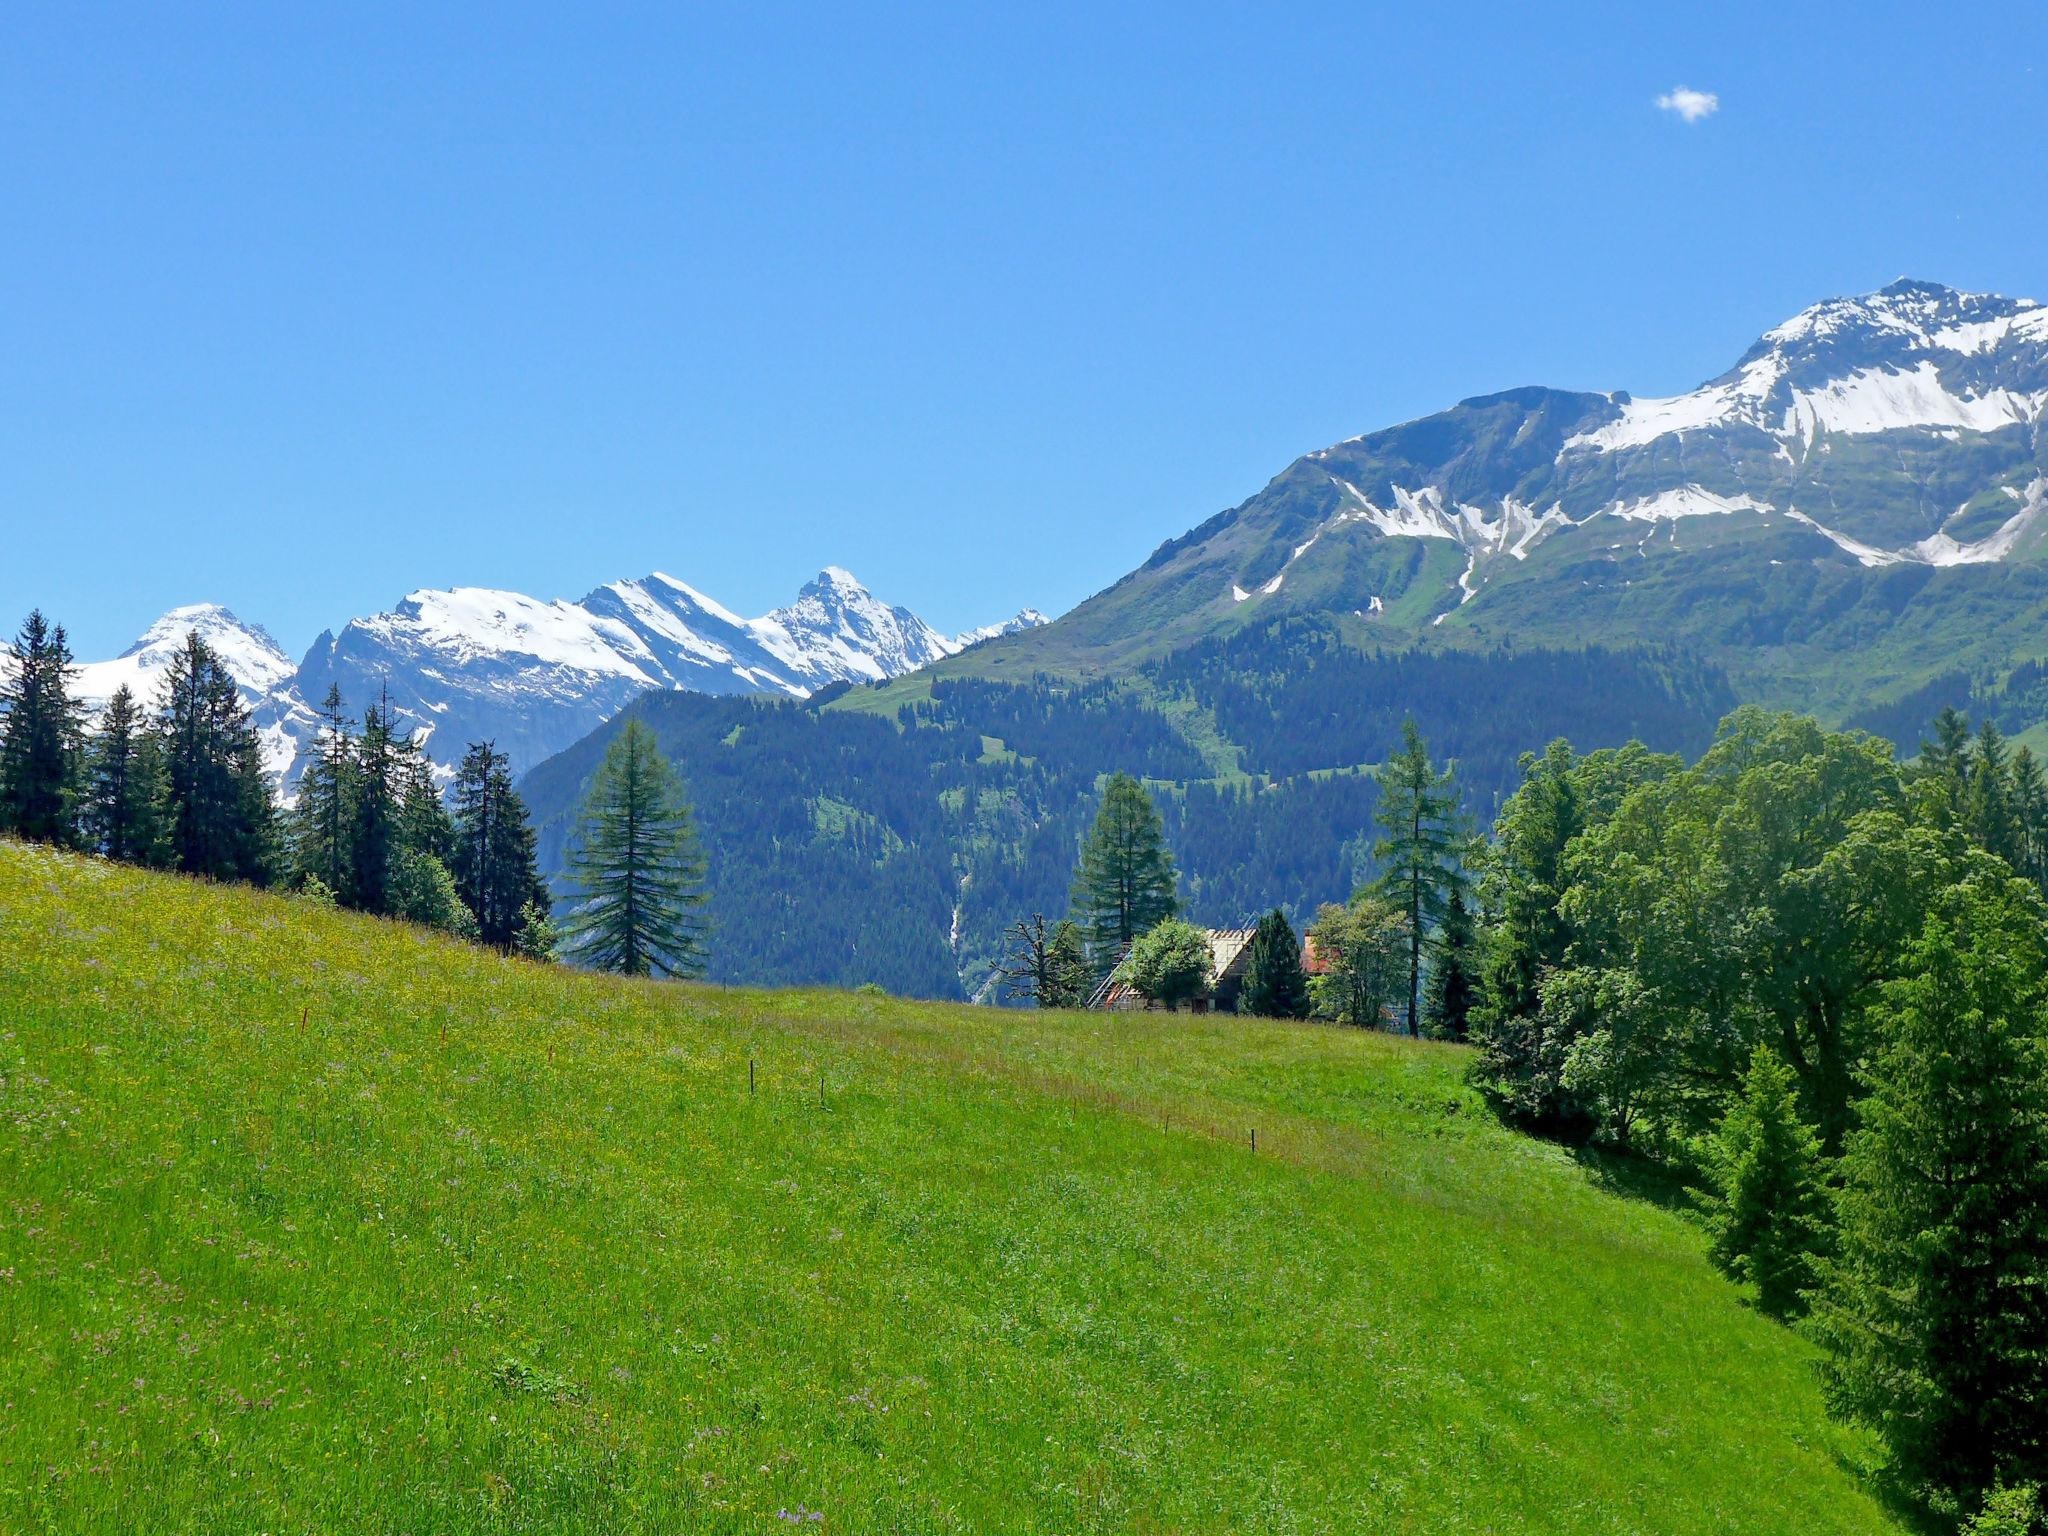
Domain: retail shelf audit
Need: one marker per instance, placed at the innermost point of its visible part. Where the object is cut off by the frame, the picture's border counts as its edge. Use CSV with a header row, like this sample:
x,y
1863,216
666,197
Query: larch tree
x,y
1045,962
1421,849
1125,883
636,860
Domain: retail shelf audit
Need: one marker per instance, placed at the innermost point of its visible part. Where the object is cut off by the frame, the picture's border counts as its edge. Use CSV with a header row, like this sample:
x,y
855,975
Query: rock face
x,y
472,664
1865,488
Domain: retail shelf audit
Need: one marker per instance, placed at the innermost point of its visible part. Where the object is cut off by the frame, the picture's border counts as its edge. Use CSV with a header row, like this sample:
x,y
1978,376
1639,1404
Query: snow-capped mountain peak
x,y
1026,618
250,655
1913,355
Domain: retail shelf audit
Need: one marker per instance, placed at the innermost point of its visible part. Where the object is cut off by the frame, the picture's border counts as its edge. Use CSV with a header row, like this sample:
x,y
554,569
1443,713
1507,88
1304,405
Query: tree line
x,y
180,785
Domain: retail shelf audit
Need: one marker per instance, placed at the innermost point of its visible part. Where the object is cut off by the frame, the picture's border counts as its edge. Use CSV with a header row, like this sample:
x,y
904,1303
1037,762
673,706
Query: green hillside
x,y
313,1222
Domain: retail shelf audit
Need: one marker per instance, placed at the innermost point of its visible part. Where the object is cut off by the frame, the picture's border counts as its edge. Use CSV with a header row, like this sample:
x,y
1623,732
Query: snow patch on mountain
x,y
1684,501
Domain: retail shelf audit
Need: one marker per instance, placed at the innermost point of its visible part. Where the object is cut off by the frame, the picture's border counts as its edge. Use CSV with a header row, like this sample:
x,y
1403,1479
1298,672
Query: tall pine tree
x,y
1125,883
376,829
1770,1223
126,813
493,859
1421,849
1453,989
39,737
1275,985
323,820
1935,1315
636,860
223,817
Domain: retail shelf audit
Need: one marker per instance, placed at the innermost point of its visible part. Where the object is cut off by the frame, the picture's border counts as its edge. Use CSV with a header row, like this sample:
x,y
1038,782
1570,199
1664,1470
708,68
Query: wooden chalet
x,y
1230,953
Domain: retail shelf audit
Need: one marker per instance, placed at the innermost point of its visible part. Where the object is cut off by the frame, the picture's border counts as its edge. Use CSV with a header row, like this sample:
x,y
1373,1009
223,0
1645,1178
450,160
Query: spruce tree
x,y
2030,814
323,819
1770,1222
636,860
1275,985
39,737
376,830
1946,759
223,816
1453,990
1421,849
1988,807
1935,1315
125,812
1125,883
493,859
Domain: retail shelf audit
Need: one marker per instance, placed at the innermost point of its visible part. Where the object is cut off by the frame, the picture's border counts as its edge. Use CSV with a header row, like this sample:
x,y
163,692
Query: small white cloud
x,y
1690,104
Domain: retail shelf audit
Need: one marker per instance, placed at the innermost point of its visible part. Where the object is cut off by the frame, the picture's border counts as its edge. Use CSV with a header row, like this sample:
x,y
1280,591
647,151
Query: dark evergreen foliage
x,y
126,810
1452,992
39,737
493,855
223,815
1935,1317
1275,985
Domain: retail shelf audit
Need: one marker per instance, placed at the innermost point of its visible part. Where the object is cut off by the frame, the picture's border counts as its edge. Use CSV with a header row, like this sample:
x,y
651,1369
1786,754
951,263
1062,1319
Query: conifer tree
x,y
376,830
1935,1315
1988,807
223,817
636,860
39,737
125,798
1421,849
323,819
1125,883
1275,985
493,859
2030,813
538,936
1453,990
1946,759
1771,1220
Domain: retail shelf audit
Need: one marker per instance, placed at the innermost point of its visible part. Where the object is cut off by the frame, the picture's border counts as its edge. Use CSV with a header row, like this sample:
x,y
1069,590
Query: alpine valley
x,y
1852,521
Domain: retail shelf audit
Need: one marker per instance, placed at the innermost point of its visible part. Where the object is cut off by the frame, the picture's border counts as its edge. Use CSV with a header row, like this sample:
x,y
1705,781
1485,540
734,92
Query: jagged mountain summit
x,y
255,660
1861,498
470,663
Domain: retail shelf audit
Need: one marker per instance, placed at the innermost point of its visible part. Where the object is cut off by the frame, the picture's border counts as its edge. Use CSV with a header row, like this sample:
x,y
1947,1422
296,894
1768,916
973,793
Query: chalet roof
x,y
1230,951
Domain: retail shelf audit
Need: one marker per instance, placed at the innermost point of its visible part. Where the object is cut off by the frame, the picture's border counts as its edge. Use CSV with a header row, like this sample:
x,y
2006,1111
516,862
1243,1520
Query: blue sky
x,y
304,310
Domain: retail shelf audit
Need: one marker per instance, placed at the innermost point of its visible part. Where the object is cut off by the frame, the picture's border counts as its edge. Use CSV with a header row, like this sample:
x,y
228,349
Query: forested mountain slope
x,y
316,1221
890,836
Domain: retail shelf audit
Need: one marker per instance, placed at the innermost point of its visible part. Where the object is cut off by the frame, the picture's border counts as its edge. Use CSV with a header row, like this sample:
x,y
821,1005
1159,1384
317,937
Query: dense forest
x,y
847,846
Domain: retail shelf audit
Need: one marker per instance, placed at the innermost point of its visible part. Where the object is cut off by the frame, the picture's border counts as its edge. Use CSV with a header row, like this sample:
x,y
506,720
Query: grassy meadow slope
x,y
314,1222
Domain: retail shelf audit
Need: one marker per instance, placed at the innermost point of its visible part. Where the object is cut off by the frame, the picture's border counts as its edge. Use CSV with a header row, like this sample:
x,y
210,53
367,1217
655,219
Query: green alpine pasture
x,y
314,1222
